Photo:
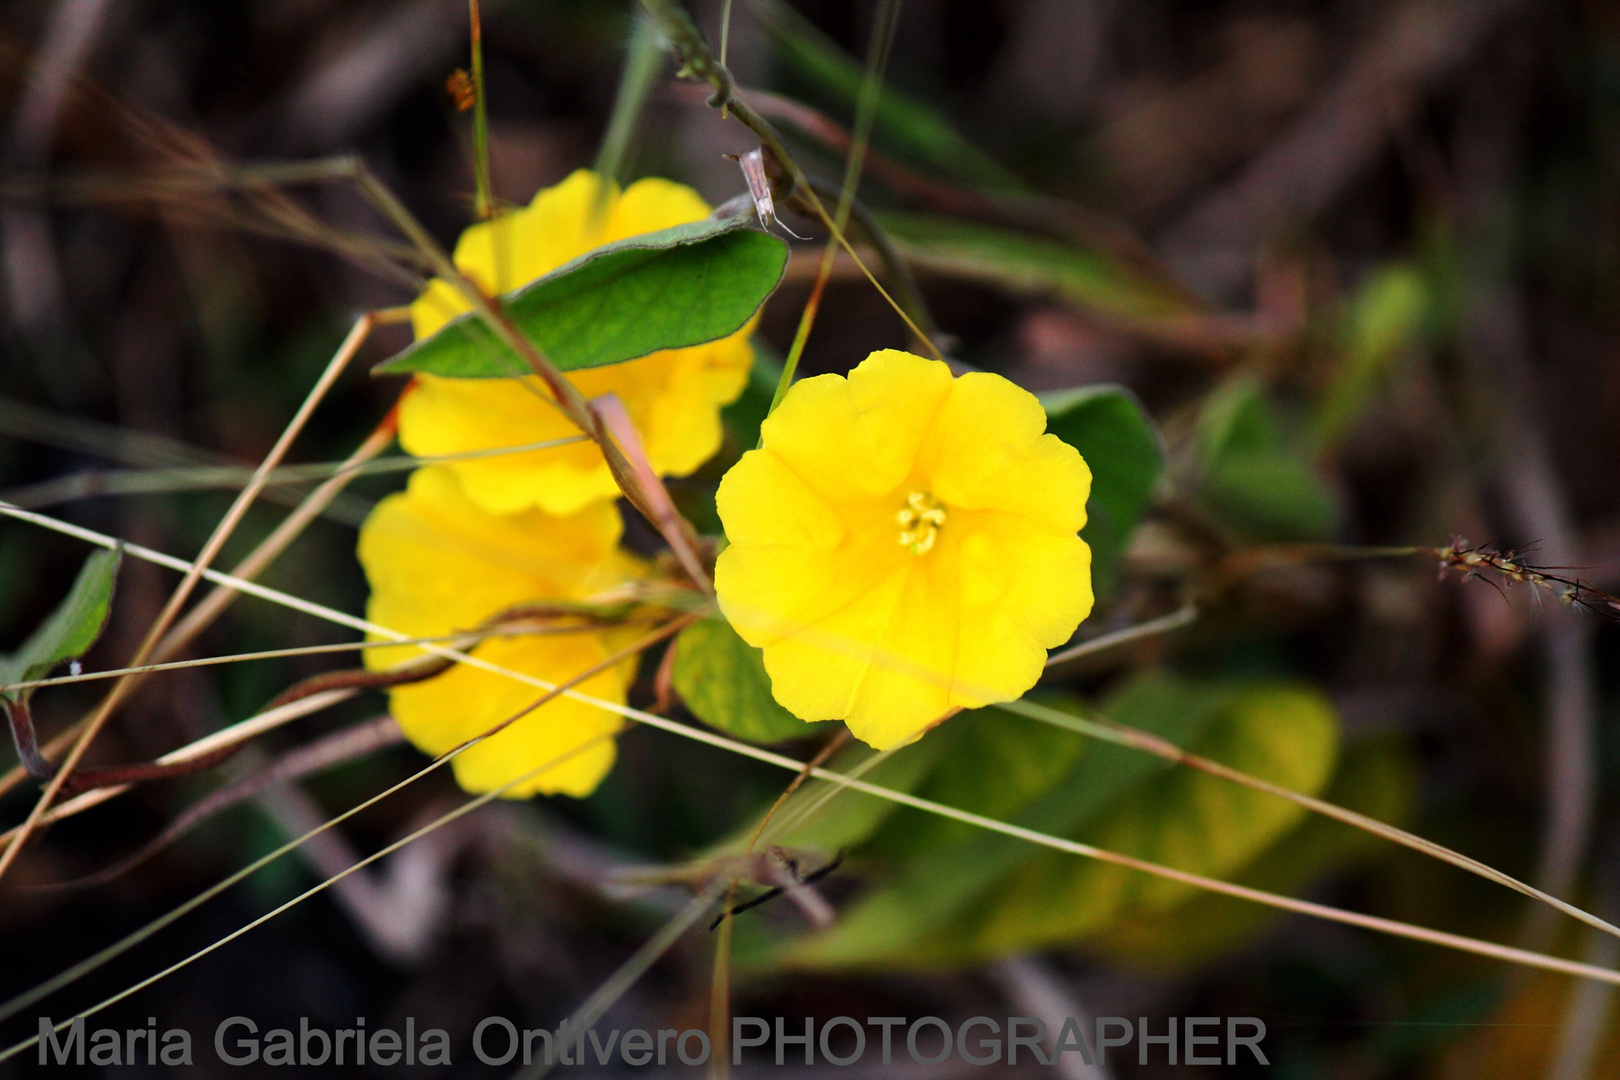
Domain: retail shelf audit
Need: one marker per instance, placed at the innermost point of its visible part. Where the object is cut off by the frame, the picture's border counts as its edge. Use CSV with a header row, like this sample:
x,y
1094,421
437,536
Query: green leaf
x,y
1252,478
71,629
993,763
937,885
905,125
1380,323
1112,431
961,903
744,416
1376,778
722,679
665,290
1287,734
1028,264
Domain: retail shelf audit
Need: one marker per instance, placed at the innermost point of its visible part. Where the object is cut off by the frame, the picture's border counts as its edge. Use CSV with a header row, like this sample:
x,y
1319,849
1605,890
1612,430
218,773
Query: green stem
x,y
865,115
642,65
900,278
697,61
485,200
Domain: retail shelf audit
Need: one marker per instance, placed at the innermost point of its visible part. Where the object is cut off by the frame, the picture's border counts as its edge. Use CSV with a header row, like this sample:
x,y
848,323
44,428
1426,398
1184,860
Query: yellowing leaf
x,y
1185,819
992,763
1376,778
936,885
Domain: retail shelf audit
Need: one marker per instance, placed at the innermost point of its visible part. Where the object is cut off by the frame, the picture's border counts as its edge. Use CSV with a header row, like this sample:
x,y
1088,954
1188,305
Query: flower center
x,y
920,521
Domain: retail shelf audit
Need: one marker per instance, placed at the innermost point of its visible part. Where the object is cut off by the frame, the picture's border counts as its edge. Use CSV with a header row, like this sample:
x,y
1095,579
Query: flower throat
x,y
920,521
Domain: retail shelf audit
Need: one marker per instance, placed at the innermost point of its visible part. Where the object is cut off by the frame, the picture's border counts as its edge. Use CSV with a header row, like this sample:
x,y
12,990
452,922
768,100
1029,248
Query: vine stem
x,y
699,61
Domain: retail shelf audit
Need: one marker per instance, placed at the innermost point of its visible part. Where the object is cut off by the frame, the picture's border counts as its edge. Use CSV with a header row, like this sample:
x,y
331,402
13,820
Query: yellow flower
x,y
438,565
903,542
673,397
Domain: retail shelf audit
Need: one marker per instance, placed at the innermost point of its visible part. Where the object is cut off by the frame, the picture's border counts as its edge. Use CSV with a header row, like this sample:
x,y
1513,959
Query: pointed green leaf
x,y
1252,477
1021,263
1112,431
71,629
722,679
665,290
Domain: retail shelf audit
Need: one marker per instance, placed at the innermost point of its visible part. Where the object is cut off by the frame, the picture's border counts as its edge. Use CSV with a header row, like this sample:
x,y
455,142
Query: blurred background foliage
x,y
1284,270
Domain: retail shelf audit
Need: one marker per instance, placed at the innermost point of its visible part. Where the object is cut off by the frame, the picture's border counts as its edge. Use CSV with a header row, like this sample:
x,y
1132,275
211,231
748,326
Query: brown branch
x,y
334,749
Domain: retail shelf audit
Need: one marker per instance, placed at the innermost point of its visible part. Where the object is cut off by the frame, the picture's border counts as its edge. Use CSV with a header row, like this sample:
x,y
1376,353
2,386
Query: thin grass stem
x,y
877,60
1147,742
627,975
1185,615
251,728
709,738
11,1008
222,532
482,189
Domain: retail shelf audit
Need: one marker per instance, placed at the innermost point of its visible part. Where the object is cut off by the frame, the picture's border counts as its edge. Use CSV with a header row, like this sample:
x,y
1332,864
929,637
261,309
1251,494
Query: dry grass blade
x,y
338,748
1136,739
251,728
142,450
628,974
677,530
222,532
1284,903
11,1008
203,477
239,658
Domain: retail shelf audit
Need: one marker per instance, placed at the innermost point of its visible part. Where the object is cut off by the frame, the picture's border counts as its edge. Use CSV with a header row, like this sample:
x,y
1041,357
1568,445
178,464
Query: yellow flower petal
x,y
673,397
569,740
986,451
857,438
904,543
438,564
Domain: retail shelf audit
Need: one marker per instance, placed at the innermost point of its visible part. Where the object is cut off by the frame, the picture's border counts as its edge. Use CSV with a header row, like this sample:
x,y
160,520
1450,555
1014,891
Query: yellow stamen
x,y
920,521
